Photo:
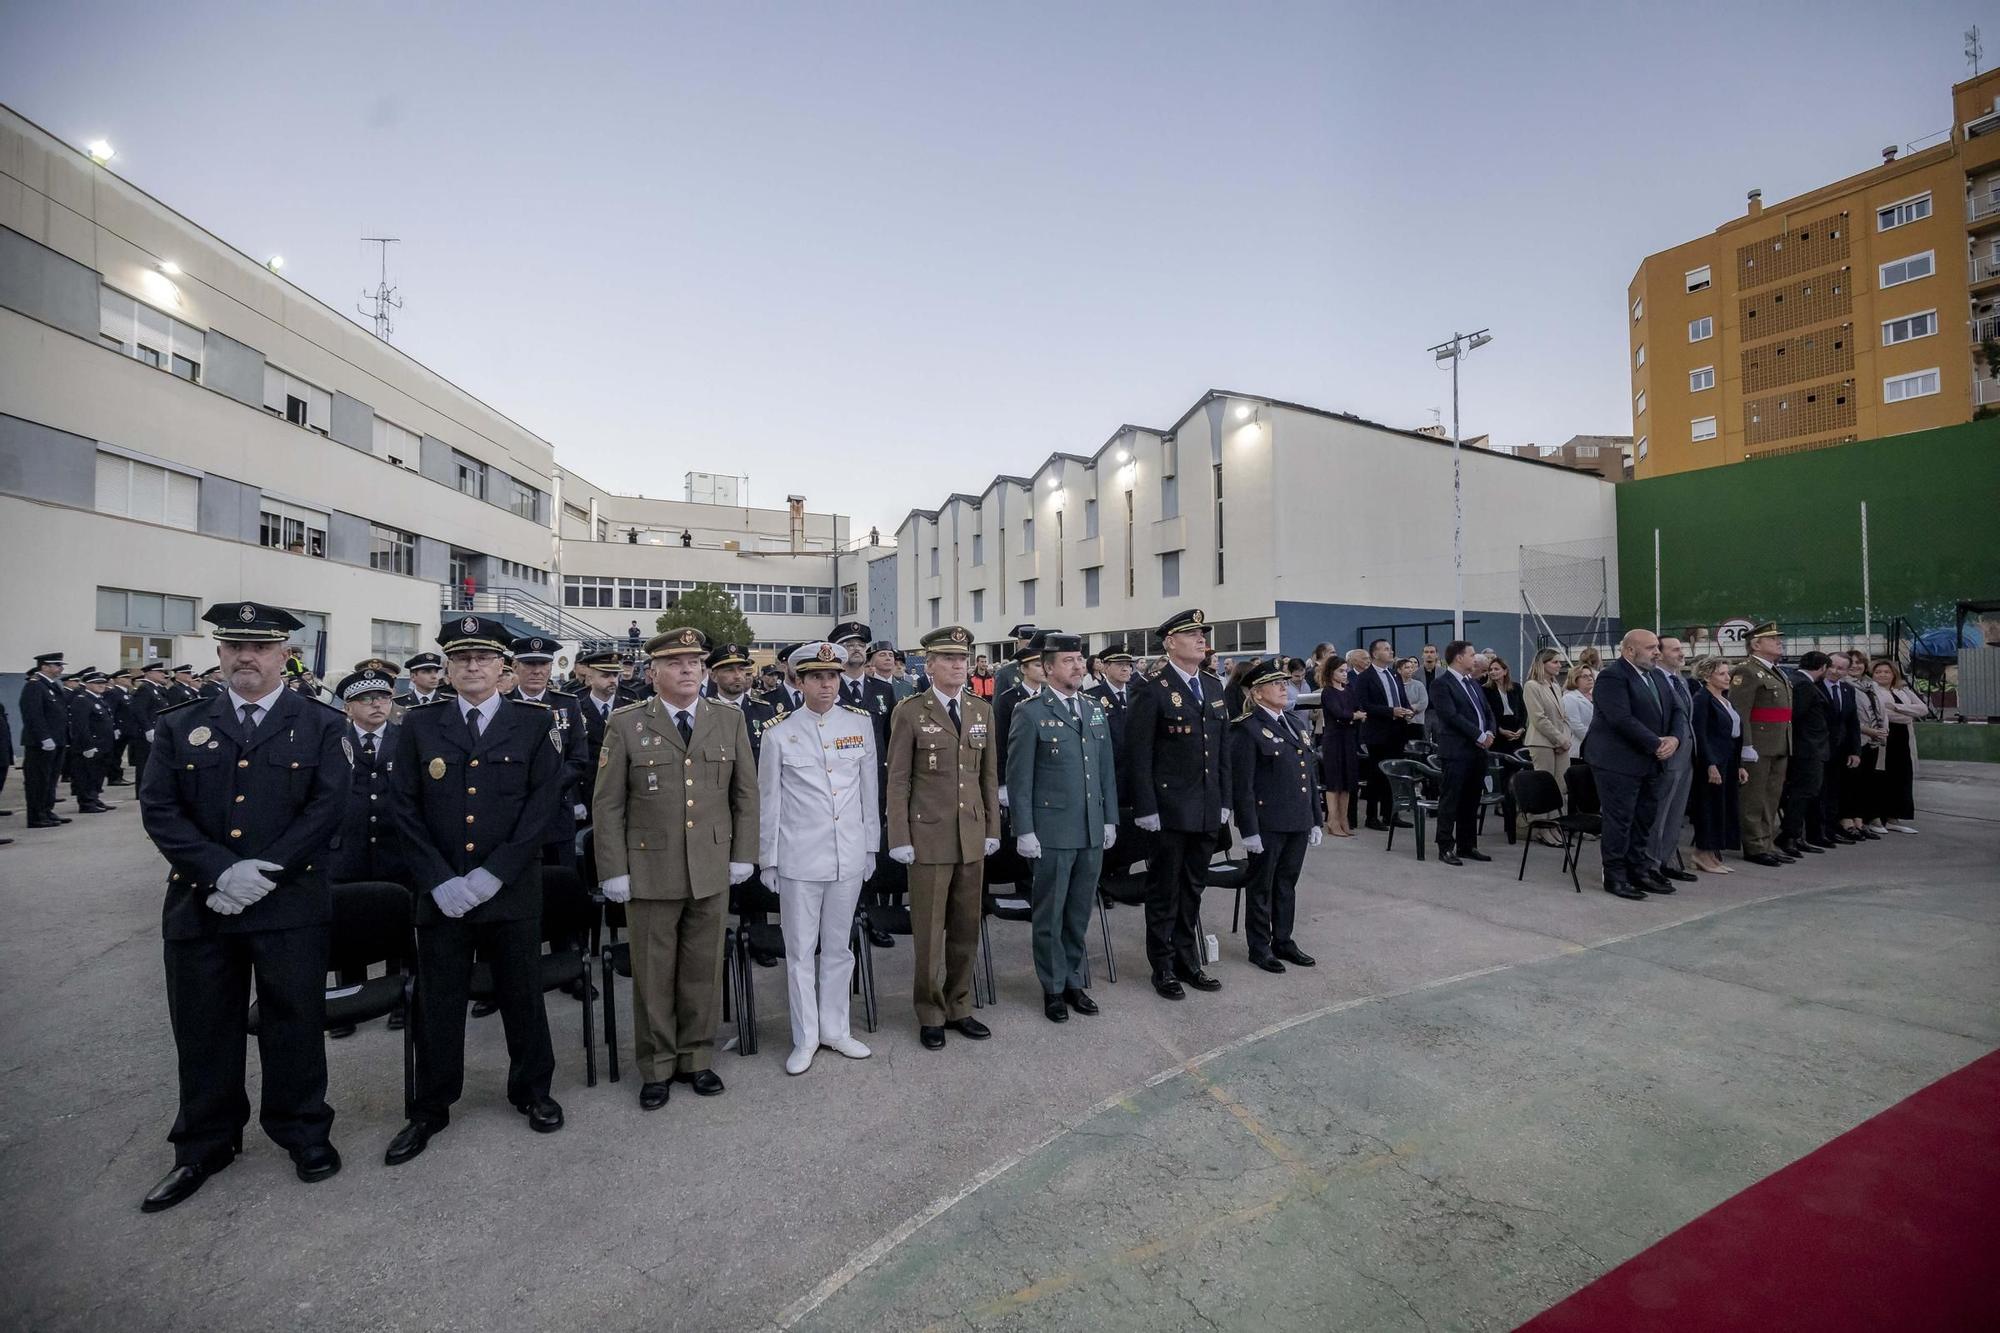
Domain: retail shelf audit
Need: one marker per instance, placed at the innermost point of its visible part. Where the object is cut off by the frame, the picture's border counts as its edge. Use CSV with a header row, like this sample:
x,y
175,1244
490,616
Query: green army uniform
x,y
1763,697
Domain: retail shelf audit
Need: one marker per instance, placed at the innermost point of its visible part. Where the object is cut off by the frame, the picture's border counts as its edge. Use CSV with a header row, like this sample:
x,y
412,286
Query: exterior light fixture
x,y
275,262
100,151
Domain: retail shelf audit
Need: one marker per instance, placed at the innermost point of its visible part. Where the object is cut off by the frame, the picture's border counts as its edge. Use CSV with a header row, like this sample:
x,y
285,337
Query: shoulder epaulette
x,y
626,708
1158,669
725,703
853,708
528,703
175,708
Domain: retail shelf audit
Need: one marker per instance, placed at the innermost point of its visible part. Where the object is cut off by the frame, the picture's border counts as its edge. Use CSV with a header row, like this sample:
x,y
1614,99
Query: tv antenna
x,y
1972,48
384,296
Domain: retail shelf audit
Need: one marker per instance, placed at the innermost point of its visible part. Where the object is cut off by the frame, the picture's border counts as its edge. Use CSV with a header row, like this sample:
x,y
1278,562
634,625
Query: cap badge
x,y
470,624
687,636
959,636
826,652
246,613
1196,617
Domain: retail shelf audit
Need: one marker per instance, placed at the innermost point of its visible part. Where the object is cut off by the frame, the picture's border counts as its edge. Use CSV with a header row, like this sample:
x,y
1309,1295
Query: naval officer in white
x,y
819,829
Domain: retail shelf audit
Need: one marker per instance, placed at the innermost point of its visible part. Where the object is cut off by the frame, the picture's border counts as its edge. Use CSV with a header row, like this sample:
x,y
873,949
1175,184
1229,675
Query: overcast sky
x,y
876,253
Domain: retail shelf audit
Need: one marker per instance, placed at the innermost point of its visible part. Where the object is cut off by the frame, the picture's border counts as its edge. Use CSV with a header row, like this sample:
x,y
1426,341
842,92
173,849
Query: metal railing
x,y
1985,268
1985,392
519,605
1986,329
1980,206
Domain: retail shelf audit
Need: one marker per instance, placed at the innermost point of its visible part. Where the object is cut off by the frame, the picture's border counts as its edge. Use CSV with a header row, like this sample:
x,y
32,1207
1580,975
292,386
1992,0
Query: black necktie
x,y
1075,714
368,748
951,707
249,715
685,727
1194,688
473,718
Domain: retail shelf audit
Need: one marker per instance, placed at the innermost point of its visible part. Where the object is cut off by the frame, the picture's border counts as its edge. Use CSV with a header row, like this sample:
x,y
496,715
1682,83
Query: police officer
x,y
182,688
118,698
1009,673
1276,799
1061,777
148,698
426,682
675,814
600,699
93,737
819,826
534,661
1028,680
1180,786
1113,693
886,665
209,685
476,783
1762,696
44,738
366,849
243,802
943,818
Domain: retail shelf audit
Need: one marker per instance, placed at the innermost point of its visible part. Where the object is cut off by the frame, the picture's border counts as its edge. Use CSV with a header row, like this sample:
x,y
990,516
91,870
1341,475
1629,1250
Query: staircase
x,y
523,613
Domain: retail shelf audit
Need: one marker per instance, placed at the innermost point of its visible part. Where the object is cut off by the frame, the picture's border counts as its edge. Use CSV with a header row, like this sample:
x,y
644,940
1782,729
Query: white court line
x,y
876,1252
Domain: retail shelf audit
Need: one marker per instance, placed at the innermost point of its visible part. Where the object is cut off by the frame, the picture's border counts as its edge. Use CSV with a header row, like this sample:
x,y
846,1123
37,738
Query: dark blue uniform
x,y
463,804
93,731
367,848
44,717
1180,772
1275,797
578,773
210,797
148,700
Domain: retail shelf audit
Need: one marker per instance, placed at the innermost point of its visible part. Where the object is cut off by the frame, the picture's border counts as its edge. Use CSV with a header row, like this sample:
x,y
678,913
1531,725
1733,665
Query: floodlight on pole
x,y
1455,351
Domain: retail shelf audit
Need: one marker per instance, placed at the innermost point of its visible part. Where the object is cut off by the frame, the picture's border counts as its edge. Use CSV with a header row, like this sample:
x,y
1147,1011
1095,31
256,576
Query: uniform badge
x,y
555,738
1175,698
246,613
1267,734
436,769
603,758
198,735
347,748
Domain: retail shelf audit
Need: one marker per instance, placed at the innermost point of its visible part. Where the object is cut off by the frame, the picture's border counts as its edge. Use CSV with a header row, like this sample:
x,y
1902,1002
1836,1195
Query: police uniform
x,y
1762,696
243,798
943,820
559,847
366,849
819,827
1008,673
93,736
758,713
119,698
475,790
1117,706
1180,781
676,825
1063,788
413,696
181,689
148,698
1276,801
44,738
595,712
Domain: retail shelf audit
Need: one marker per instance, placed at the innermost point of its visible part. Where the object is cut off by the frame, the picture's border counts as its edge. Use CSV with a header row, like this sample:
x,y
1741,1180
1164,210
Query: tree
x,y
709,609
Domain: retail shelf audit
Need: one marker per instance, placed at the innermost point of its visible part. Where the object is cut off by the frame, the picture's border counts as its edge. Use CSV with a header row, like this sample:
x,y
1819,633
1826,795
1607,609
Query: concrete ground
x,y
1487,1094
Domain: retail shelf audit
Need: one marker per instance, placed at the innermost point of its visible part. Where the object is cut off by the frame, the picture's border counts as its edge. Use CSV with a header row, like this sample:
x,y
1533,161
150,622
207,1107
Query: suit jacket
x,y
461,804
1764,697
210,799
1630,722
673,814
1546,723
1714,747
1677,690
1460,717
1382,726
1812,718
944,785
1843,720
366,847
1061,780
1180,766
44,713
1276,775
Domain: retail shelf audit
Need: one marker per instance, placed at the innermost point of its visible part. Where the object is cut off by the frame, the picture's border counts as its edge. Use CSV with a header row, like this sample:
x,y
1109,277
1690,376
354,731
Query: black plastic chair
x,y
1114,886
1406,778
1496,791
615,959
567,917
1581,783
1538,796
769,937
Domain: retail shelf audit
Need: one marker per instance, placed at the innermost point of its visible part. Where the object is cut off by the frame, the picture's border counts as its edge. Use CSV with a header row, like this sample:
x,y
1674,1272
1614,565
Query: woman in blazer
x,y
1510,731
1419,696
1549,743
1901,709
1578,710
1340,743
1718,766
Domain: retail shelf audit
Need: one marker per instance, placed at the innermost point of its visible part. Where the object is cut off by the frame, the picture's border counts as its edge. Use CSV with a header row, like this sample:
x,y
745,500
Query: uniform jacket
x,y
147,701
593,731
1764,697
44,713
1062,783
1117,713
208,800
567,711
944,783
1004,703
174,694
1630,722
817,789
1812,718
1275,770
460,804
93,723
674,814
367,846
758,715
1180,766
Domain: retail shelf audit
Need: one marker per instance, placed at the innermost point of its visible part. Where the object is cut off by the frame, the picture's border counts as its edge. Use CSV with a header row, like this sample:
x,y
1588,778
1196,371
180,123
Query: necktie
x,y
1194,688
1478,704
1392,685
249,715
473,719
368,748
1653,688
952,708
1075,714
685,727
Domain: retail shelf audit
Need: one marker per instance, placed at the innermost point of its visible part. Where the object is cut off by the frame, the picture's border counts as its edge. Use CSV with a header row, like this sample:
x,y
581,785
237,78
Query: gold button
x,y
190,765
236,833
468,819
240,763
295,764
475,763
468,846
690,825
239,800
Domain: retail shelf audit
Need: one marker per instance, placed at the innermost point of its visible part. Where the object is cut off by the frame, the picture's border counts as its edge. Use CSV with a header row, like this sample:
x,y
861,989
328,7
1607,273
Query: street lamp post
x,y
1460,346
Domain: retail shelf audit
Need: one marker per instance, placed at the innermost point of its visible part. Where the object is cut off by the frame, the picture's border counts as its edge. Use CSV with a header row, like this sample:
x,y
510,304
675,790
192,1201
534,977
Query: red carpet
x,y
1895,1225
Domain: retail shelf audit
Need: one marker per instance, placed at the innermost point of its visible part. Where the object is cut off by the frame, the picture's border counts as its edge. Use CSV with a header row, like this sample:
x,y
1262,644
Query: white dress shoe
x,y
800,1060
847,1046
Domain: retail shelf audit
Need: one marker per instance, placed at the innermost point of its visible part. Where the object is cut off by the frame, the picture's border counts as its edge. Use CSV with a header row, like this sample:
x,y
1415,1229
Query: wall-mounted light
x,y
1055,479
100,151
1243,411
275,262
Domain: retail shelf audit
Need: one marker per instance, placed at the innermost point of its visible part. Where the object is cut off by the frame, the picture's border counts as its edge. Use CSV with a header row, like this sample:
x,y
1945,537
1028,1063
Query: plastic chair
x,y
1406,779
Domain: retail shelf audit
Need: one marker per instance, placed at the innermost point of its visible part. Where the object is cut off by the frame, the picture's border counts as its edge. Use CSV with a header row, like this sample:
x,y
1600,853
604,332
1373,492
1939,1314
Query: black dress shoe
x,y
1053,1006
481,1008
47,823
1653,883
316,1163
1293,954
95,808
410,1140
342,1030
396,1020
1198,979
763,958
1763,859
1807,849
1848,837
1450,859
1786,857
881,938
652,1096
179,1185
544,1114
1079,999
116,782
1619,889
62,819
704,1082
973,1030
4,842
1867,834
1169,988
1473,854
1376,825
1679,876
1268,964
932,1038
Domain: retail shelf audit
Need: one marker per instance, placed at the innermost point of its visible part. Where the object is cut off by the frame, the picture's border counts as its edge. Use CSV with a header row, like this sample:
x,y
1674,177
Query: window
x,y
646,594
468,474
934,613
1703,378
296,401
1170,497
850,599
287,527
120,610
393,639
1697,279
132,489
579,590
1028,596
1639,356
1908,327
978,605
1703,428
1639,403
1218,524
1638,309
1903,212
395,445
772,599
1089,519
1899,271
1920,384
1698,329
144,334
978,549
934,560
520,497
1092,582
1170,574
1642,446
1027,536
392,550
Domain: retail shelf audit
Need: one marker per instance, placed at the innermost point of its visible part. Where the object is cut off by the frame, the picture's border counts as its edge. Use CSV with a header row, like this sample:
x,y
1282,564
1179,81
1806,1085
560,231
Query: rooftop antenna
x,y
1972,48
384,296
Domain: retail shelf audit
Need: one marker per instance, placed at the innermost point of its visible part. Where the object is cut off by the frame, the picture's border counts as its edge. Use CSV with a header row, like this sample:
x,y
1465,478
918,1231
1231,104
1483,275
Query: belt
x,y
1770,715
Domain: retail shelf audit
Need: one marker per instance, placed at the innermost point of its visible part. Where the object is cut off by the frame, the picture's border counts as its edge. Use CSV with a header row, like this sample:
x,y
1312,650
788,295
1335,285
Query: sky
x,y
876,253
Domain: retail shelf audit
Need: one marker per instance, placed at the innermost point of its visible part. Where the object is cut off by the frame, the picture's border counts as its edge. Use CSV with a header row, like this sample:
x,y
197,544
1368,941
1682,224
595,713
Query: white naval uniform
x,y
819,824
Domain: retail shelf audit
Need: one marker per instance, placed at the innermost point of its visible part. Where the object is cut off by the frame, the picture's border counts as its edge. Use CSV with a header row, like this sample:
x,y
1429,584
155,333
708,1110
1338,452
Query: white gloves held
x,y
1003,786
1225,815
1110,836
1315,835
454,897
1029,846
245,883
149,737
617,889
90,754
1254,844
483,883
992,846
1150,823
903,856
740,871
1749,754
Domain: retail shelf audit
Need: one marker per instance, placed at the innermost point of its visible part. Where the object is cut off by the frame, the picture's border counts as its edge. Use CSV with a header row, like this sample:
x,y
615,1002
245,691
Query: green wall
x,y
1780,538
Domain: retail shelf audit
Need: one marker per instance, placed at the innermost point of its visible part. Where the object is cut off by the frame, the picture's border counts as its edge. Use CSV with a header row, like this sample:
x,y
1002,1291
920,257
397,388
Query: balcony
x,y
1983,207
1984,268
1986,330
1985,393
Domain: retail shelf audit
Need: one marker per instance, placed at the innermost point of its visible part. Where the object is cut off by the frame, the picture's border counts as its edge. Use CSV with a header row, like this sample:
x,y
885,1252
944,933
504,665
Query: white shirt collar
x,y
674,710
486,710
377,733
944,700
264,705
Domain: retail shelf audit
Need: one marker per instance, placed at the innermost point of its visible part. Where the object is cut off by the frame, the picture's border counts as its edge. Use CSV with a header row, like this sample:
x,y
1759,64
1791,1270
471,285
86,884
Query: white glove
x,y
48,744
117,734
1749,754
218,903
992,846
868,867
1028,845
1254,844
617,889
1225,814
903,856
1314,835
1003,786
1150,823
1110,836
90,754
245,882
740,871
580,810
483,883
149,738
454,897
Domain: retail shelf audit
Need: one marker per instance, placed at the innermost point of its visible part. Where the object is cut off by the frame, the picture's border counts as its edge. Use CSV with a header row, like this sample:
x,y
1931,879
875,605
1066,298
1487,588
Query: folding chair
x,y
615,958
567,912
769,936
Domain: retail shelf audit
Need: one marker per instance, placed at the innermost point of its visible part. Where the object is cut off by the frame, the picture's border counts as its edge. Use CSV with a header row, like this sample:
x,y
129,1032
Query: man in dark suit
x,y
1383,730
1844,753
1636,730
1812,748
1114,693
1464,735
1677,773
44,737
